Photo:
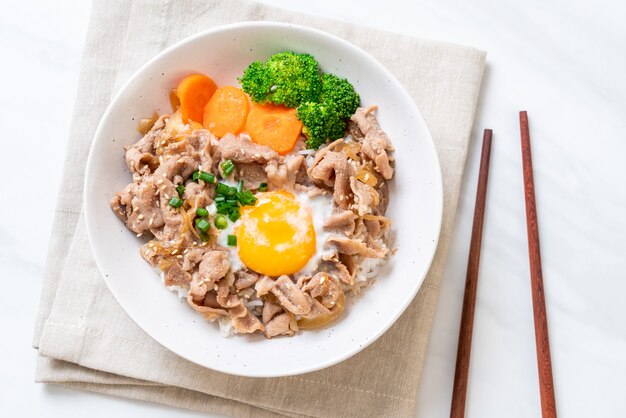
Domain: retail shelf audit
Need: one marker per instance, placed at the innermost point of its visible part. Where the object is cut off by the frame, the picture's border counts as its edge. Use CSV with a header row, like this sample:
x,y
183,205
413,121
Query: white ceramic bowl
x,y
416,203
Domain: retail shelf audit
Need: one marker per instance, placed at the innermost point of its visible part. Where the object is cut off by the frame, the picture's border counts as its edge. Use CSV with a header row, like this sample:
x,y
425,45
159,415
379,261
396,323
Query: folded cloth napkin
x,y
86,341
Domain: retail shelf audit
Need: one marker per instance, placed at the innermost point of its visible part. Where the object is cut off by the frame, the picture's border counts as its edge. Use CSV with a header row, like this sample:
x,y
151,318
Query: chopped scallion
x,y
180,189
221,222
234,215
202,224
232,240
227,167
262,187
239,186
175,202
206,177
202,212
222,188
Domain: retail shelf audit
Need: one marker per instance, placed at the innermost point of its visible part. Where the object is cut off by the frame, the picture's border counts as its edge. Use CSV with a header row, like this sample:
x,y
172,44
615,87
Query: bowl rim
x,y
429,257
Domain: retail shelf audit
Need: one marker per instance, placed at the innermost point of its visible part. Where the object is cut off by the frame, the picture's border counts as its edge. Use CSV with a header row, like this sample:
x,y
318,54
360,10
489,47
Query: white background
x,y
563,61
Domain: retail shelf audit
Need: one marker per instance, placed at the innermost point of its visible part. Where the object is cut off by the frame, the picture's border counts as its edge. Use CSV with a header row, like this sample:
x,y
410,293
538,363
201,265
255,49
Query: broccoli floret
x,y
255,82
286,78
322,122
341,93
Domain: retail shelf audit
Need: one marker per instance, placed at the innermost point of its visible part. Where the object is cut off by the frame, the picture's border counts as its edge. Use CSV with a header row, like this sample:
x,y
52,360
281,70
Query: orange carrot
x,y
194,91
278,127
226,111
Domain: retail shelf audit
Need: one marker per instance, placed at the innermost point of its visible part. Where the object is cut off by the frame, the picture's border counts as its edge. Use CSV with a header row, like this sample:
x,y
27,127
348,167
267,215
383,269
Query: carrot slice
x,y
278,127
226,111
194,91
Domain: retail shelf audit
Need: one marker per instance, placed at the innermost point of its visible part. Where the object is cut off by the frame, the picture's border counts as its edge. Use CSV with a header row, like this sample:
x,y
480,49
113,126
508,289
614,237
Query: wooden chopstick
x,y
544,364
459,391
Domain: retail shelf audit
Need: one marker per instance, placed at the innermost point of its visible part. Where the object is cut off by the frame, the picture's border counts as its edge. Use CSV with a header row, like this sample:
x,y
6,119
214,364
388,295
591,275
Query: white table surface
x,y
563,61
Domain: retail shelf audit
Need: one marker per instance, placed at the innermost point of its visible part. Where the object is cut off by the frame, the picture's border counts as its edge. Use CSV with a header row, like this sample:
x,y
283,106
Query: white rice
x,y
226,326
368,268
180,290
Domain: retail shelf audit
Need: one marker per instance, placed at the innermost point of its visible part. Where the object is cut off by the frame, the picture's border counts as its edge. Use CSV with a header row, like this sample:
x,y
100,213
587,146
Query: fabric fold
x,y
85,339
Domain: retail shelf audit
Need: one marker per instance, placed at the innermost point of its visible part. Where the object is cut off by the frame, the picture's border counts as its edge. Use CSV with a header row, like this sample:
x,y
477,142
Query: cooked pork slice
x,y
198,194
342,221
290,296
340,271
176,276
136,205
140,156
365,196
334,170
241,150
264,285
252,174
317,309
283,173
270,310
247,324
209,313
245,279
383,201
356,247
213,267
279,325
318,285
183,166
375,143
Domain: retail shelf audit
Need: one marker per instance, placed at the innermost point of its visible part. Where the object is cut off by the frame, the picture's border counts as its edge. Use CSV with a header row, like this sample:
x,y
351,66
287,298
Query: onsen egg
x,y
277,235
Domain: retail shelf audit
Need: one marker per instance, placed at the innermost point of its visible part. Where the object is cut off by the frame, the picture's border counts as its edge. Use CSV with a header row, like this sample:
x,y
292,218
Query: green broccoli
x,y
286,78
326,119
341,93
322,121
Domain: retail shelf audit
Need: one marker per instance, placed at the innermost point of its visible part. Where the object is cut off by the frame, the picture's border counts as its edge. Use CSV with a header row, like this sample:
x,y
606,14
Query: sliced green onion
x,y
195,175
180,189
246,198
262,187
221,222
232,240
219,198
202,224
234,215
227,167
175,202
232,192
222,188
204,236
239,186
202,212
206,177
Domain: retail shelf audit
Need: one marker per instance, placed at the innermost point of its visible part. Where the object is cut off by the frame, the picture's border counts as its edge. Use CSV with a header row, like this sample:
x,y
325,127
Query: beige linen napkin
x,y
86,341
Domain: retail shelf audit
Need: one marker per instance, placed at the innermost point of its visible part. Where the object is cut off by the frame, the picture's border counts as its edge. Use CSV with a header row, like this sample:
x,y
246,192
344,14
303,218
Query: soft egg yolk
x,y
275,236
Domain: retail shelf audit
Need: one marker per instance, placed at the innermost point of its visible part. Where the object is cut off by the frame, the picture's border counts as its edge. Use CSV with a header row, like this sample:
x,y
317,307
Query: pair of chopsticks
x,y
546,388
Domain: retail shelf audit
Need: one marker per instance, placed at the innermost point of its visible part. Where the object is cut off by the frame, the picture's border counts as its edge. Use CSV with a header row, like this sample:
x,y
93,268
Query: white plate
x,y
416,203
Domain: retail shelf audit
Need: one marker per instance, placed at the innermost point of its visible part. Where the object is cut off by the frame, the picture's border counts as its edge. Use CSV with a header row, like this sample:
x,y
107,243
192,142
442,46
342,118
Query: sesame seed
x,y
179,256
180,160
160,181
195,243
167,196
140,217
163,187
139,234
215,287
175,251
